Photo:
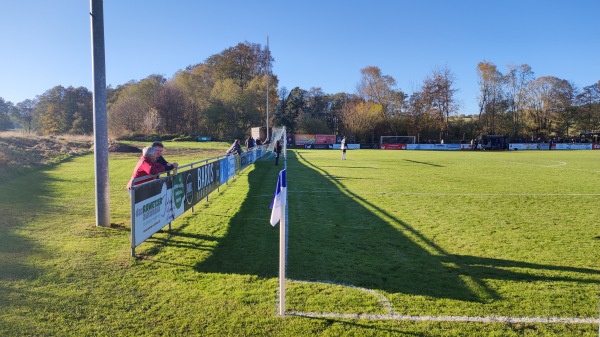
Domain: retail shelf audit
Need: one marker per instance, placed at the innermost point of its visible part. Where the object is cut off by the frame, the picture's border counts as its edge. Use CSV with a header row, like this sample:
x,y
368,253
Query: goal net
x,y
397,140
278,133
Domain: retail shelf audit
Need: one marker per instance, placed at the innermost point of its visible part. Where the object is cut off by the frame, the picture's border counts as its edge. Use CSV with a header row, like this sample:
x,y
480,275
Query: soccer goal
x,y
397,140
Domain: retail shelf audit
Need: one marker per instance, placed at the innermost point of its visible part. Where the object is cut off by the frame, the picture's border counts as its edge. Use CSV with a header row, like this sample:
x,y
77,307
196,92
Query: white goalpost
x,y
277,132
397,140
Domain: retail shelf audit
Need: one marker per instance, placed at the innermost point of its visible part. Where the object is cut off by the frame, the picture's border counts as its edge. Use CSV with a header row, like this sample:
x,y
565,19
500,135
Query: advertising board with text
x,y
393,146
161,201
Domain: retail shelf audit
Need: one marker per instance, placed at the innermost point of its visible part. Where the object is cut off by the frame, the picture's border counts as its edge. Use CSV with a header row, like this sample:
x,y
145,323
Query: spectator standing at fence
x,y
161,160
343,146
146,166
249,143
277,148
235,148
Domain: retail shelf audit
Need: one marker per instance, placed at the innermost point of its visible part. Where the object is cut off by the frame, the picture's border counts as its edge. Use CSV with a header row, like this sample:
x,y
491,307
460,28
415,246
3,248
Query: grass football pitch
x,y
384,234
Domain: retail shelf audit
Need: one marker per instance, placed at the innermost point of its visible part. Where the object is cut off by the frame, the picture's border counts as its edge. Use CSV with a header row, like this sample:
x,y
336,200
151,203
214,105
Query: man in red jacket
x,y
146,166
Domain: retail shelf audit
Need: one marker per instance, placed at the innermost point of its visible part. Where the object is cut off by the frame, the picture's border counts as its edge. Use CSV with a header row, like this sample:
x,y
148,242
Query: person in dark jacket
x,y
277,148
160,159
235,148
250,143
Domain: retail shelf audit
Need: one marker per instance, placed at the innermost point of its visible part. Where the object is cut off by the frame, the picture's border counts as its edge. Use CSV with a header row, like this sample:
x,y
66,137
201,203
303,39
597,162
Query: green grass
x,y
436,233
492,233
182,145
178,152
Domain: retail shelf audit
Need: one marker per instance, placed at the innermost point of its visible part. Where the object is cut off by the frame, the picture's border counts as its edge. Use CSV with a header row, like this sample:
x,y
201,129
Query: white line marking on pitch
x,y
493,194
366,163
387,305
560,163
392,316
461,194
482,319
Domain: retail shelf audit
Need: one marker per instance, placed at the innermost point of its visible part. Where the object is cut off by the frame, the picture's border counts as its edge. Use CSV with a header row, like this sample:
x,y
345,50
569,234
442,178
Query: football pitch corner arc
x,y
471,319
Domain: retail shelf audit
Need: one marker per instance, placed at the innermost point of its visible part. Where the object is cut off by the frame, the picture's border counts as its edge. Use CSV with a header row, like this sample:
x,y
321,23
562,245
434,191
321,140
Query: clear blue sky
x,y
315,43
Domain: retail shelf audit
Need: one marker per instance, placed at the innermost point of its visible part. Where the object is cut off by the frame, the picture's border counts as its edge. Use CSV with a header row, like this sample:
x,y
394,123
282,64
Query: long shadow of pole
x,y
332,237
335,235
471,269
24,198
376,255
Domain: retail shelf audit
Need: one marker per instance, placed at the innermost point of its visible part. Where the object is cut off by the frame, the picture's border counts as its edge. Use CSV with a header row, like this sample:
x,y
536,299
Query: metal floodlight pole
x,y
268,73
100,118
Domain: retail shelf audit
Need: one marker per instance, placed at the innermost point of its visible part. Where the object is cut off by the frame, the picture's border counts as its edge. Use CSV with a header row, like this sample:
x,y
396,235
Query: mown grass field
x,y
434,233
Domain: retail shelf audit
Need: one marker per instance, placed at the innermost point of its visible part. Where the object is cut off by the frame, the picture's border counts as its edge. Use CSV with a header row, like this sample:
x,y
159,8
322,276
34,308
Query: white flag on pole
x,y
279,199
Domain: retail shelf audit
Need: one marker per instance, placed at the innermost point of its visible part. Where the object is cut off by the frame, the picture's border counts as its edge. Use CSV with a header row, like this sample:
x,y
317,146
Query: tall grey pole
x,y
268,73
100,118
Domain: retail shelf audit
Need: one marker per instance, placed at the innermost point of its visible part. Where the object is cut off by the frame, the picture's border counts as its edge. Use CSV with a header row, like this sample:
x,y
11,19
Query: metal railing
x,y
190,165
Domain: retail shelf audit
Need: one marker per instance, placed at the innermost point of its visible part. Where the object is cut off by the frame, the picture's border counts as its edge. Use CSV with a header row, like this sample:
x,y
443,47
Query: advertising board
x,y
304,139
393,146
324,139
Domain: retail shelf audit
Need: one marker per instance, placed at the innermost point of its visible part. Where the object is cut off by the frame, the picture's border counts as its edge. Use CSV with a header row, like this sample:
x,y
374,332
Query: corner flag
x,y
279,199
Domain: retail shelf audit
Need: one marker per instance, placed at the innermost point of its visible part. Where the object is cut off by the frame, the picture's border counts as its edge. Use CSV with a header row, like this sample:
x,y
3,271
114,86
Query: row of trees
x,y
58,111
518,103
515,103
224,97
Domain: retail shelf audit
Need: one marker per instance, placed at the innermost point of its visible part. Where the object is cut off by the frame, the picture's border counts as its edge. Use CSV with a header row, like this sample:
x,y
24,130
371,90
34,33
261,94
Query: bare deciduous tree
x,y
491,95
362,119
381,89
516,80
438,94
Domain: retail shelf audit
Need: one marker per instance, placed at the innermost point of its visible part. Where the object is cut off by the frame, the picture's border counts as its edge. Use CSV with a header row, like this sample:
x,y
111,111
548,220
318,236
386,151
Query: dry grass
x,y
32,135
26,150
14,133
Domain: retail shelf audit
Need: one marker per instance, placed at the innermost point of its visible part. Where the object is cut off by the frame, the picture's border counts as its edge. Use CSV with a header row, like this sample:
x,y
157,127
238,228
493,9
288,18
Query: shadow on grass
x,y
251,244
366,327
422,162
345,239
177,237
23,198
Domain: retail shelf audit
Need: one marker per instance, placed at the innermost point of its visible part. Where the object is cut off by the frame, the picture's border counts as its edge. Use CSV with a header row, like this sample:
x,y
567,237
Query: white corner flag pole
x,y
278,214
282,244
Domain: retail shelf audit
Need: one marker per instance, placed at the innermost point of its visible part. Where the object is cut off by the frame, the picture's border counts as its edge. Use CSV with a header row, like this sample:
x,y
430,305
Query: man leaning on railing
x,y
146,166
